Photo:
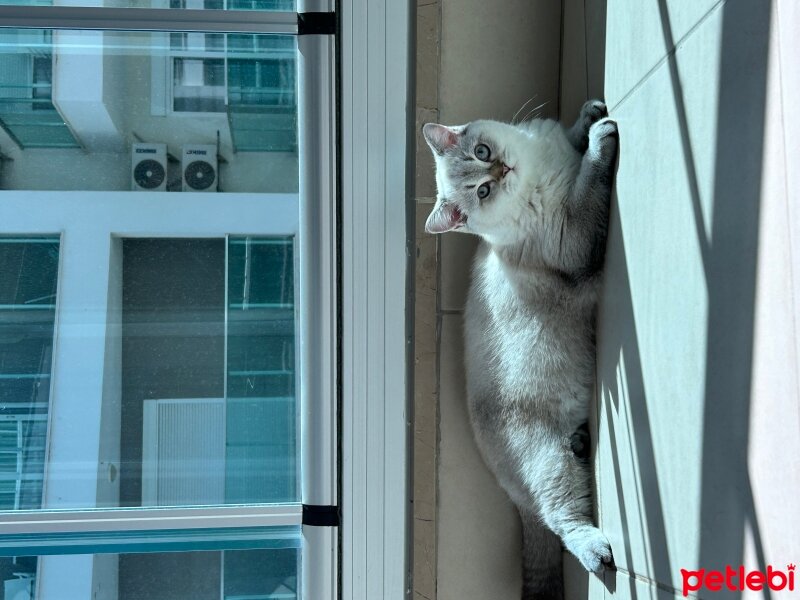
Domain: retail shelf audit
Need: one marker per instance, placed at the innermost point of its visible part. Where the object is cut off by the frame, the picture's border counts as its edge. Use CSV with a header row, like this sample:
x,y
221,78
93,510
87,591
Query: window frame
x,y
361,108
377,146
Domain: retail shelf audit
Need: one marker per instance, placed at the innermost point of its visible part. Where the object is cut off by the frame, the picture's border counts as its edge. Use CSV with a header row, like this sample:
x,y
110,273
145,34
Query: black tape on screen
x,y
320,516
316,23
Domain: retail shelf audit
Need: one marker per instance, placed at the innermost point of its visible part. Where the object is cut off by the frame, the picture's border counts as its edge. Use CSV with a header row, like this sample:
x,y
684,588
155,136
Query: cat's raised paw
x,y
591,548
592,111
603,137
603,128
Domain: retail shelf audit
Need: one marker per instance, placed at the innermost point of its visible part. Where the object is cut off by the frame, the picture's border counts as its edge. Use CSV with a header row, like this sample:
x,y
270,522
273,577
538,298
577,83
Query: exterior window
x,y
203,345
27,113
210,575
233,127
198,85
272,5
262,456
151,320
209,412
249,78
28,282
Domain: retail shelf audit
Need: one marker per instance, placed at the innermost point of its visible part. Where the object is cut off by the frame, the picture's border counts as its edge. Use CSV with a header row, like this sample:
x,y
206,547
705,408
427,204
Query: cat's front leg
x,y
579,249
591,112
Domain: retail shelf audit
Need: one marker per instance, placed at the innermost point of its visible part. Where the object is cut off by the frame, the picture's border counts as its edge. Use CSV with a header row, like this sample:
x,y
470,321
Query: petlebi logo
x,y
738,579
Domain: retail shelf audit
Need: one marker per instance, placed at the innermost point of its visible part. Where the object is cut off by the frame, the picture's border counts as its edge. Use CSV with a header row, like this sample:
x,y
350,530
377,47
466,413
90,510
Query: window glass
x,y
200,406
149,321
268,574
267,5
261,371
208,399
157,112
28,281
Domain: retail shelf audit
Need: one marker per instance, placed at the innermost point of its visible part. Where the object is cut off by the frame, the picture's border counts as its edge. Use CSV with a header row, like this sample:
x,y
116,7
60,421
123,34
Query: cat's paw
x,y
591,548
603,138
592,111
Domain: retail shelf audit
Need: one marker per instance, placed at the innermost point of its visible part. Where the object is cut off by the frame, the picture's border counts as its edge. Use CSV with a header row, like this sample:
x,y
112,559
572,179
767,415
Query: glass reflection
x,y
270,574
93,110
28,281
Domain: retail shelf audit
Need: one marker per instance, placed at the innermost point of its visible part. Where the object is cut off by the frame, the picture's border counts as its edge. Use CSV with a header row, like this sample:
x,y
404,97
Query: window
x,y
202,575
207,304
27,114
154,328
28,281
252,79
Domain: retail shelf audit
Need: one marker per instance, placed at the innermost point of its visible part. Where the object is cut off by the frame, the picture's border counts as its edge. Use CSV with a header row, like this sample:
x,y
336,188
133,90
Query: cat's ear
x,y
443,217
439,137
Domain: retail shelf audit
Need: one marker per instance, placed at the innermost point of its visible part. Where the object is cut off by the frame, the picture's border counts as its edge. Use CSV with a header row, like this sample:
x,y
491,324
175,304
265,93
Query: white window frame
x,y
375,255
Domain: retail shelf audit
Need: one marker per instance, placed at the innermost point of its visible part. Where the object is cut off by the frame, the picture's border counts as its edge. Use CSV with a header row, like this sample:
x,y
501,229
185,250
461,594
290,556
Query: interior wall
x,y
426,385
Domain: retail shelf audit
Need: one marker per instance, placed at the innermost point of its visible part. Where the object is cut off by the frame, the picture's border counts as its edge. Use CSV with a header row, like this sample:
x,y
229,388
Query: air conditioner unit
x,y
149,167
199,168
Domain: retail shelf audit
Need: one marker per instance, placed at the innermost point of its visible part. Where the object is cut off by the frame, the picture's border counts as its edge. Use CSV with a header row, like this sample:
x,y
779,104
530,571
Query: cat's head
x,y
478,178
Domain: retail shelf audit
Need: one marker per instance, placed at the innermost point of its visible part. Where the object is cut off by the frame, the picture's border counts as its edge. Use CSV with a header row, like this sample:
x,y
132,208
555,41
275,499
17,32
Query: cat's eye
x,y
484,190
482,152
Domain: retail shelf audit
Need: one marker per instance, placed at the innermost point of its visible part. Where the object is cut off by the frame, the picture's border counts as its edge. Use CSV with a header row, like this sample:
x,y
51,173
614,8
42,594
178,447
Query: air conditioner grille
x,y
149,174
199,175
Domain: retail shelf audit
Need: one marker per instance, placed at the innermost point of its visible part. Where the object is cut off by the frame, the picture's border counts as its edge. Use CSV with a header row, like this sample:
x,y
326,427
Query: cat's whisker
x,y
533,114
532,111
528,101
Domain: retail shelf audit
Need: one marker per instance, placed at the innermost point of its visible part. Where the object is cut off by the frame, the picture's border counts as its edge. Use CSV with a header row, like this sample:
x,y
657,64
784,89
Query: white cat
x,y
538,196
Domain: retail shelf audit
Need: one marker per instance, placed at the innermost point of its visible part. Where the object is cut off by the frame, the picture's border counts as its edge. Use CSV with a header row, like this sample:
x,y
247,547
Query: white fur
x,y
528,321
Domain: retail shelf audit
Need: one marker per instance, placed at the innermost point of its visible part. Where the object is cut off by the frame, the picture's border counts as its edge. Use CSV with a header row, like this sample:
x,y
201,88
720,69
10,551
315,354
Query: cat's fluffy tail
x,y
541,561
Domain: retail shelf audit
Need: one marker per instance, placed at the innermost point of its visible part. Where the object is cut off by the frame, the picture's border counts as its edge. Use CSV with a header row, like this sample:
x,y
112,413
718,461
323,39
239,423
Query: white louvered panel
x,y
183,453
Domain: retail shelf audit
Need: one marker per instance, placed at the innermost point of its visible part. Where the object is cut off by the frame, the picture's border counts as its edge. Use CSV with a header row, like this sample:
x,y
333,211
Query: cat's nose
x,y
499,170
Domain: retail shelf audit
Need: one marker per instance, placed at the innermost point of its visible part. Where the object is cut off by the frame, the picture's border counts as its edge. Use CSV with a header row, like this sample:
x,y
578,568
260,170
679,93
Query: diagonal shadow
x,y
729,262
618,336
683,124
726,506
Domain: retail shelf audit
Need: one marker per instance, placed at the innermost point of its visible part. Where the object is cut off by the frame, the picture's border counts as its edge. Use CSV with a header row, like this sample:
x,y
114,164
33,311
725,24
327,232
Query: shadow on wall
x,y
727,500
624,344
729,257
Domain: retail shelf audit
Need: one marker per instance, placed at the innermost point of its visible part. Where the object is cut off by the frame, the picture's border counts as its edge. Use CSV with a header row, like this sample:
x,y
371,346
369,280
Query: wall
x,y
426,385
697,419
